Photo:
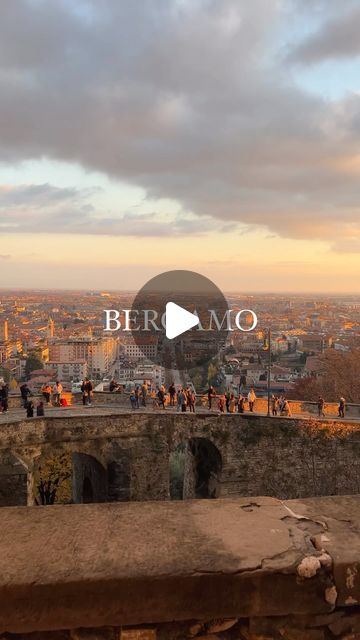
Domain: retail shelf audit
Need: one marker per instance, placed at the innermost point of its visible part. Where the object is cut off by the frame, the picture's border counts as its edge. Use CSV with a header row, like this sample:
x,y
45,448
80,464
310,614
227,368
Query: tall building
x,y
4,331
51,328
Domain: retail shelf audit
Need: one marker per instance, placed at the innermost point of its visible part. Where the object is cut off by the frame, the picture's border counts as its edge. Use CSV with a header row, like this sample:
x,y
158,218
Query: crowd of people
x,y
182,398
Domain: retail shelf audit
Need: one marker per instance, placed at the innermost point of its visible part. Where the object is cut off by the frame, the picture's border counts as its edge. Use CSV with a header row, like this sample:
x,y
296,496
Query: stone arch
x,y
89,481
195,470
63,477
14,479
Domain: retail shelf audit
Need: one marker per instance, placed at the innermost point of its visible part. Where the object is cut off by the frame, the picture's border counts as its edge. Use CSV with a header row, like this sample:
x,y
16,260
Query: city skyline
x,y
223,138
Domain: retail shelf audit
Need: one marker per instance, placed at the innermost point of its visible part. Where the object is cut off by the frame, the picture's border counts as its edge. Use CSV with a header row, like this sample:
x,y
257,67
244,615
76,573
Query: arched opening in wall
x,y
52,479
13,481
89,481
195,470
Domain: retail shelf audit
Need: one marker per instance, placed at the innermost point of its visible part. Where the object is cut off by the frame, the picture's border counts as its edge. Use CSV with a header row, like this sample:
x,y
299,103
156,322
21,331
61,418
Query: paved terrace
x,y
105,403
245,569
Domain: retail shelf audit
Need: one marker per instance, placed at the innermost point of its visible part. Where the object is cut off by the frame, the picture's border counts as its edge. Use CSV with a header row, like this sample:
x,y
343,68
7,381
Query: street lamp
x,y
267,345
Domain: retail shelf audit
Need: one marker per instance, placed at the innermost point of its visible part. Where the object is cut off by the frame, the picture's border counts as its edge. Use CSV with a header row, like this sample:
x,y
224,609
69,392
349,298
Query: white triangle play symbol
x,y
178,320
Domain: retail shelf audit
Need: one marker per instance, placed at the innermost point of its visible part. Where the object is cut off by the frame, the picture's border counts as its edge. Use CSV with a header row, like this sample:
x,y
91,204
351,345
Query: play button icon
x,y
178,320
163,313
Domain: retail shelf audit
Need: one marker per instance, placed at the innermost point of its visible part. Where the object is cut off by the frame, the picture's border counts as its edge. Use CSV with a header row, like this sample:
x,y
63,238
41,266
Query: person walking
x,y
342,407
286,408
183,400
46,392
87,390
321,406
134,404
221,404
57,391
251,399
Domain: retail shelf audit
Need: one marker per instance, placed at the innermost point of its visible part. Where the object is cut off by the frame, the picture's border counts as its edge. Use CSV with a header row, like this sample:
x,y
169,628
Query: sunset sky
x,y
221,136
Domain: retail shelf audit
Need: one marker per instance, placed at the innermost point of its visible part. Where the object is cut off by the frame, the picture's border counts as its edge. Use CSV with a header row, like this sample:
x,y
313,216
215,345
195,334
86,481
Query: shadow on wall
x,y
195,470
65,478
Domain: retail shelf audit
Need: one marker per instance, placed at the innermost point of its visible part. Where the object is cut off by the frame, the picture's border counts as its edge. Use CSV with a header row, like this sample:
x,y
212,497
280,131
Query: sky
x,y
220,136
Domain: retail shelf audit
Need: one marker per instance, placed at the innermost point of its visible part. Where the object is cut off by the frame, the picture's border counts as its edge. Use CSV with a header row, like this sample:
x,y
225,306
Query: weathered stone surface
x,y
94,565
286,458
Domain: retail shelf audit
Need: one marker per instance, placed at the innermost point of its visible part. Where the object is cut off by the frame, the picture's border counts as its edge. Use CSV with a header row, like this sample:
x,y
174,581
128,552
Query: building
x,y
4,331
98,353
70,371
144,349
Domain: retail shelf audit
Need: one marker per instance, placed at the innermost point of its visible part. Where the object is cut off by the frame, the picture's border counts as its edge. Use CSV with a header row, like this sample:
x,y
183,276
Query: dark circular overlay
x,y
192,292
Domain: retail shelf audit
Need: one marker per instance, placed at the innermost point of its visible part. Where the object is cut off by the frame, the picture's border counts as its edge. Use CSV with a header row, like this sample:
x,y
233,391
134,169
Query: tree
x,y
33,362
339,375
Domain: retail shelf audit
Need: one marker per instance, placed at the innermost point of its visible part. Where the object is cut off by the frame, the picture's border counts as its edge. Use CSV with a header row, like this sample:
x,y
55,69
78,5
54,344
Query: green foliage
x,y
33,362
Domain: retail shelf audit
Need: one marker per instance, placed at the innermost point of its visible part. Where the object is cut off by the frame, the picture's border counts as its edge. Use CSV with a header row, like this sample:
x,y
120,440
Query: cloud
x,y
189,100
337,38
48,209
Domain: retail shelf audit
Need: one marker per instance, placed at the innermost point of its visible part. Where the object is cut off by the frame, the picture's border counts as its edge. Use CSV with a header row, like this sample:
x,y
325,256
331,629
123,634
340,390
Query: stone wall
x,y
233,569
128,455
104,398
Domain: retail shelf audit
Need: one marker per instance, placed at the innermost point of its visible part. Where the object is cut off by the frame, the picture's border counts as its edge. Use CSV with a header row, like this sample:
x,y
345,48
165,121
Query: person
x,y
134,403
321,406
342,406
153,397
178,400
25,393
251,399
30,409
144,392
57,391
241,403
274,405
46,392
172,393
286,408
190,397
113,386
87,389
161,396
227,400
40,411
211,393
183,400
137,395
4,397
232,403
221,404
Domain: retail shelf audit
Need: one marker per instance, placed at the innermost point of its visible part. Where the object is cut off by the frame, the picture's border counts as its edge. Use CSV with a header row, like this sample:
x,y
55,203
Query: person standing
x,y
211,393
321,406
178,400
4,397
342,406
40,411
232,403
241,403
161,397
29,409
183,400
227,401
251,399
57,391
221,404
87,389
274,405
144,392
172,394
25,392
190,400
